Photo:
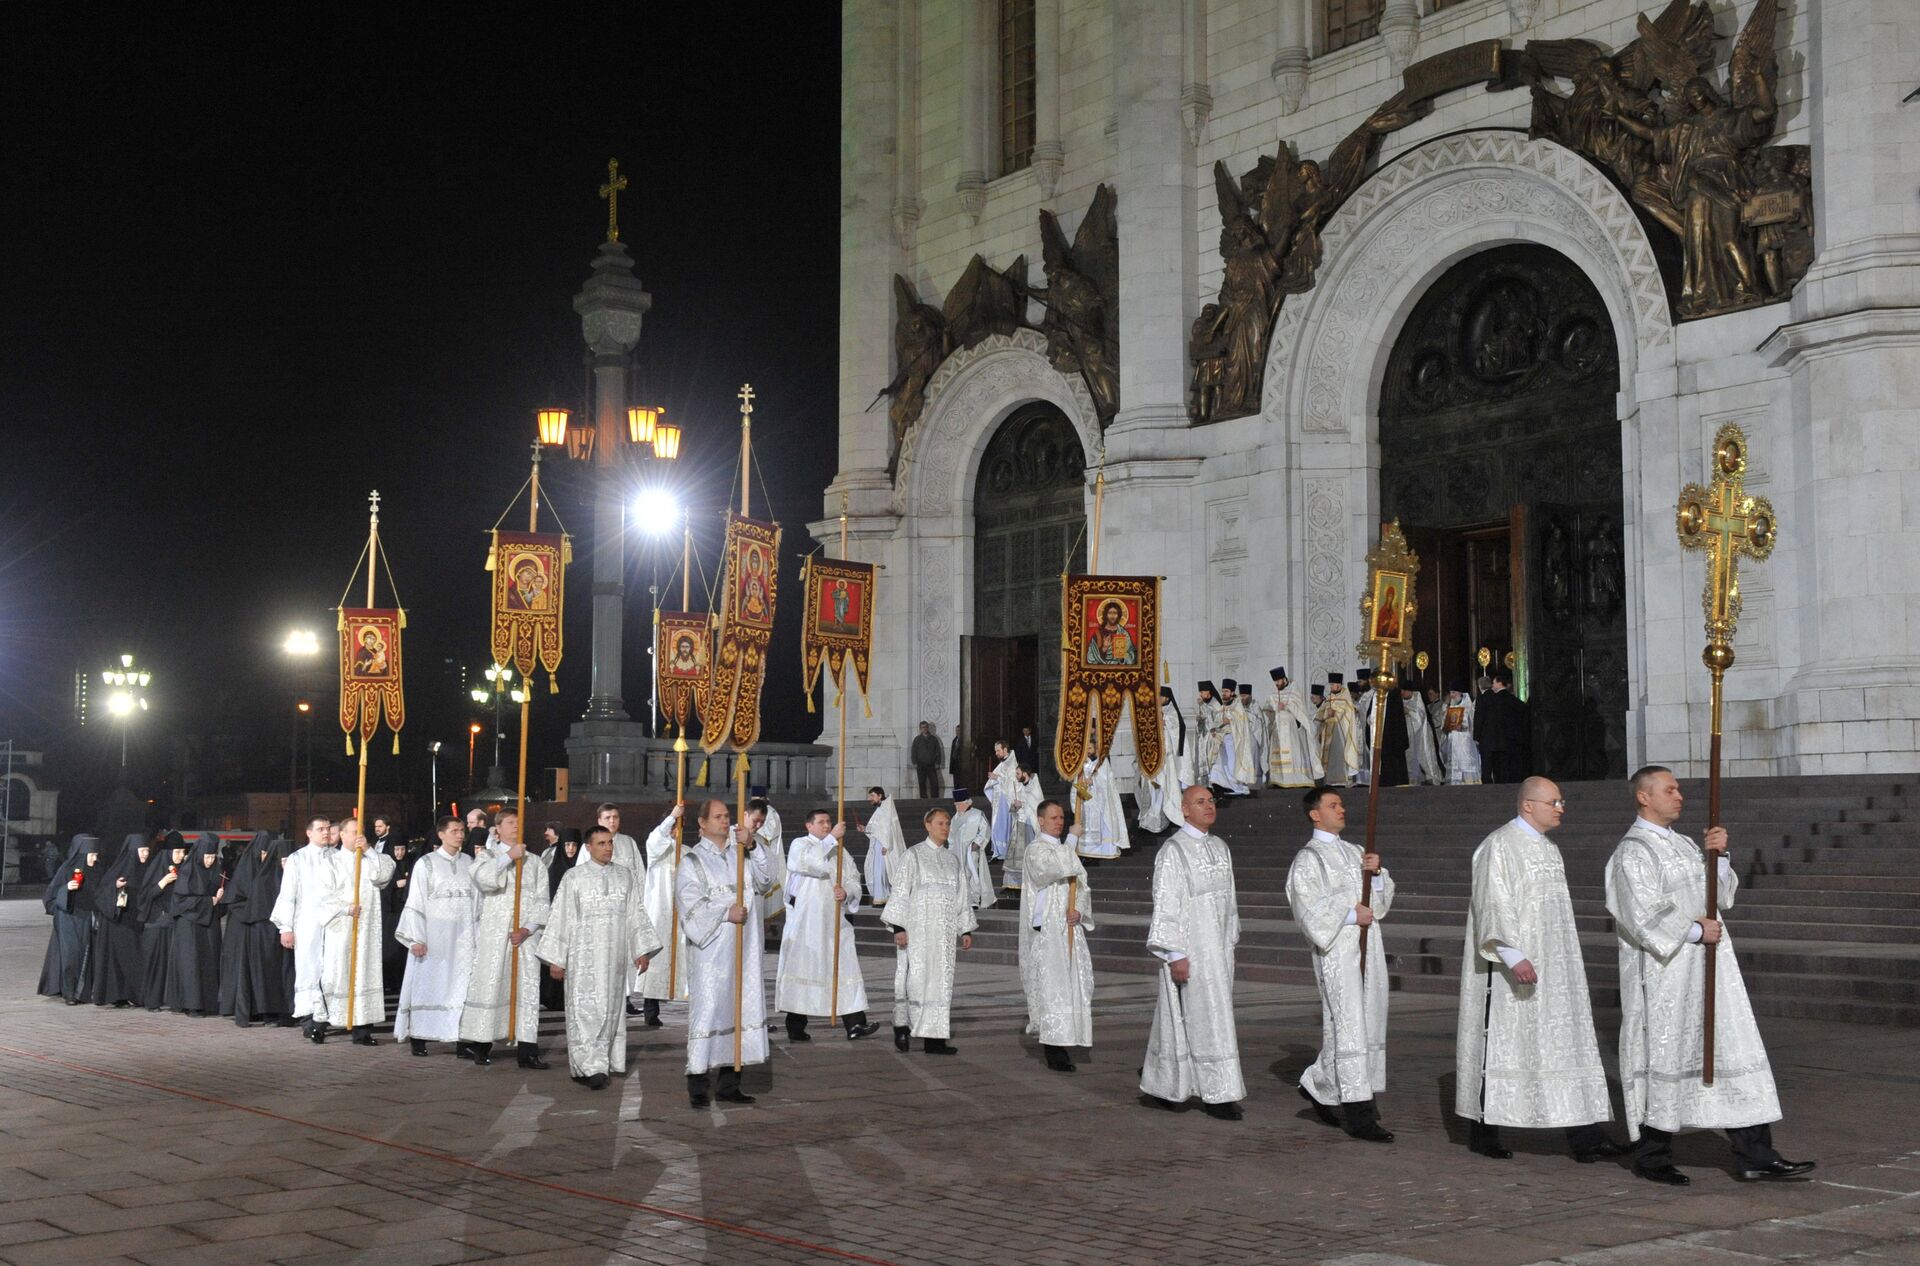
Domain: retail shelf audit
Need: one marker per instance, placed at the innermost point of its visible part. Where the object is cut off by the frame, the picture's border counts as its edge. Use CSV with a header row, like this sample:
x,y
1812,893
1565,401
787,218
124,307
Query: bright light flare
x,y
656,511
120,703
301,642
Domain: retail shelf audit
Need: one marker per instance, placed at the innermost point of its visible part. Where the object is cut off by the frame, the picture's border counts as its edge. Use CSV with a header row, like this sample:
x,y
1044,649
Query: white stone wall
x,y
1260,524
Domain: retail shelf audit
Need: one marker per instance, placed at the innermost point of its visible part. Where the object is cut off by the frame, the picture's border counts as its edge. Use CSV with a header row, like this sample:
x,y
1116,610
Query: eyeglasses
x,y
1558,804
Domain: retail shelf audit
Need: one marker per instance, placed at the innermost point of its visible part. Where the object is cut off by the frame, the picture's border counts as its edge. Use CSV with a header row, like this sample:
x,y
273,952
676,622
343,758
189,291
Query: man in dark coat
x,y
925,754
1026,750
1503,731
957,759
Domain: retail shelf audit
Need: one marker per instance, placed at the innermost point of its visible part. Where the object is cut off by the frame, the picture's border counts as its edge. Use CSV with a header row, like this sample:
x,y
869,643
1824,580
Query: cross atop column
x,y
746,398
1726,522
611,193
373,505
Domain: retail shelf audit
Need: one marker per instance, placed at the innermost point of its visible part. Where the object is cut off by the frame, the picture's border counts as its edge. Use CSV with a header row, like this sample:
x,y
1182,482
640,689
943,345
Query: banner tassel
x,y
396,742
349,744
553,687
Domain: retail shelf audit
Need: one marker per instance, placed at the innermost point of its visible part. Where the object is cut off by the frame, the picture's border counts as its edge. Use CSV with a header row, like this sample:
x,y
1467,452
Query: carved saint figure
x,y
1083,300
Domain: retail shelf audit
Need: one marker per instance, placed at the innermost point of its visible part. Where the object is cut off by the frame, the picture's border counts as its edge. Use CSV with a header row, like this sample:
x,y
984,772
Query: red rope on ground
x,y
715,1224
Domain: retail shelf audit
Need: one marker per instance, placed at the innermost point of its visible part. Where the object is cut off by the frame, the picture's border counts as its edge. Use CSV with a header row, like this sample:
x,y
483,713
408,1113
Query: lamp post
x,y
129,698
473,733
300,647
499,690
303,729
433,779
656,511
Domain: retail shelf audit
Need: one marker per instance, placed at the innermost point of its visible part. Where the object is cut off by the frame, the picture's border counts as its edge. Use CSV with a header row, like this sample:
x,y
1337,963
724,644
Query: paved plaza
x,y
130,1137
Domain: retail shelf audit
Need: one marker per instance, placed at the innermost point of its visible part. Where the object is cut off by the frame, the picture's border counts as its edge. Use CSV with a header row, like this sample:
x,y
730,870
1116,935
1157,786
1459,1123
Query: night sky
x,y
253,269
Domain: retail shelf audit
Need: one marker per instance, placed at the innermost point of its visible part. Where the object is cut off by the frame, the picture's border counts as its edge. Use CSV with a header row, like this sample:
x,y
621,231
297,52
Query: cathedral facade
x,y
1272,272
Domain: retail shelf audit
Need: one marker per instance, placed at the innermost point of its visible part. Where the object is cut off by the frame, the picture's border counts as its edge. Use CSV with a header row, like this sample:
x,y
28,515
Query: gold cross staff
x,y
611,192
1726,522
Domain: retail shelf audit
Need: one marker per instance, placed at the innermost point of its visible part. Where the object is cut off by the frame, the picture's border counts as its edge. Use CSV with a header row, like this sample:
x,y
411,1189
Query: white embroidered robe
x,y
1209,728
666,974
1323,886
931,905
303,908
1001,784
1457,748
1163,792
1024,811
1103,822
705,891
443,914
1656,888
1293,756
503,994
1339,740
1058,981
1193,1048
883,841
970,838
1525,1055
803,978
596,927
1423,758
773,903
354,953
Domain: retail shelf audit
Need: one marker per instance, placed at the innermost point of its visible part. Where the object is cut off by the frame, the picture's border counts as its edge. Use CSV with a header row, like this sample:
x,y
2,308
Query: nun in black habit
x,y
63,973
193,972
256,972
563,851
393,955
118,971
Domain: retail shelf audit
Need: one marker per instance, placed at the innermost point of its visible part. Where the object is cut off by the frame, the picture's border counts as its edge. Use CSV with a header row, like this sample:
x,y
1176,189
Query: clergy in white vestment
x,y
625,851
882,829
1339,734
1657,894
724,942
1000,795
1209,732
1162,793
764,821
301,912
1524,1050
931,909
1103,821
1323,889
437,925
503,994
1023,808
823,892
1293,755
1251,765
970,840
1231,757
665,977
1367,723
596,935
1423,758
1193,1048
352,983
1457,749
1056,966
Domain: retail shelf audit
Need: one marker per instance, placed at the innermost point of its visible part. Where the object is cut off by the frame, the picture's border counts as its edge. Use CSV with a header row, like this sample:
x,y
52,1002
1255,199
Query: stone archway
x,y
1418,216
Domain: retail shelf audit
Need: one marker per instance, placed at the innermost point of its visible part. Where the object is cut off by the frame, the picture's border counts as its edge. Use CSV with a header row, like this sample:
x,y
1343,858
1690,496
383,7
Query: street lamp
x,y
656,511
433,754
300,646
129,696
500,677
473,732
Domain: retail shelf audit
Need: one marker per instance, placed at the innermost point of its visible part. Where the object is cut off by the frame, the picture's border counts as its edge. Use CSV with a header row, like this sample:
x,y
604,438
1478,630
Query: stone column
x,y
906,126
1049,154
977,45
1290,62
1853,350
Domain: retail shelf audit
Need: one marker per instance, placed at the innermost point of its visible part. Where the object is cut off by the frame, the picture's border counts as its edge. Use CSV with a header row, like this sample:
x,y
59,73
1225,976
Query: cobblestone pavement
x,y
126,1136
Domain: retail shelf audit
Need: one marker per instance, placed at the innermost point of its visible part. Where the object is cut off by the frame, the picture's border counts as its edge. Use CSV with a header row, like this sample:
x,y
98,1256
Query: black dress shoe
x,y
419,1047
1664,1174
463,1050
698,1101
1167,1105
1603,1151
631,1009
858,1031
364,1039
597,1082
1372,1132
1320,1110
1058,1059
533,1061
1775,1171
654,1021
799,1035
939,1046
735,1096
1224,1111
1493,1151
482,1058
317,1035
902,1037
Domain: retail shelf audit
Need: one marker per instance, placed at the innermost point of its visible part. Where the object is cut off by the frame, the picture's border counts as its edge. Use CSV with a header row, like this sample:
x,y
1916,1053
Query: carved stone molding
x,y
1048,159
1400,32
1328,641
1196,107
1522,11
1374,244
967,396
939,687
906,221
972,188
1290,75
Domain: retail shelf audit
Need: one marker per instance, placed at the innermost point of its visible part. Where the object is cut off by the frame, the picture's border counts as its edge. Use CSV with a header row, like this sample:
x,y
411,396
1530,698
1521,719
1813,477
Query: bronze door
x,y
1573,655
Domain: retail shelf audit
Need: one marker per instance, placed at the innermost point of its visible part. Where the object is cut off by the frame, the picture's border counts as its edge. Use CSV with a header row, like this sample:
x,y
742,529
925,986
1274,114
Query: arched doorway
x,y
1501,457
1029,525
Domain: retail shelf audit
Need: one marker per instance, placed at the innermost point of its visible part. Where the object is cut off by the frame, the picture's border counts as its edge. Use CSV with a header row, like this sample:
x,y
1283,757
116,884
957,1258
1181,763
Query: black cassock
x,y
553,994
1393,743
63,973
256,973
193,970
1504,732
393,955
154,909
118,969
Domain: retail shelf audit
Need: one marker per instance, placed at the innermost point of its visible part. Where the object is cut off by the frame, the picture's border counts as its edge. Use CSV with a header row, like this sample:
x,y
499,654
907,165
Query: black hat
x,y
1246,688
1166,692
1277,673
1228,684
1318,692
1363,674
962,793
1336,679
1207,688
1457,685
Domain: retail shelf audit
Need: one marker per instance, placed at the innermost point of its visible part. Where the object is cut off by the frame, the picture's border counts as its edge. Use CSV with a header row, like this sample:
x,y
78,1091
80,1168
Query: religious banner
x,y
370,671
683,648
732,713
1388,607
529,577
1110,628
838,623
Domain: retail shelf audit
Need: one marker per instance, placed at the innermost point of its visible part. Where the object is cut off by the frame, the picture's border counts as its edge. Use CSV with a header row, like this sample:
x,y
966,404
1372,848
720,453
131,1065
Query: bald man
x,y
1525,1049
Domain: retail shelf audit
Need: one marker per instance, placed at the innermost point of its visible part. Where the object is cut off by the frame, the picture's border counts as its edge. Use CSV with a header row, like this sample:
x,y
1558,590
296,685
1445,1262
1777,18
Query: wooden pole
x,y
1093,569
1382,687
360,797
679,776
1717,665
520,796
740,764
840,851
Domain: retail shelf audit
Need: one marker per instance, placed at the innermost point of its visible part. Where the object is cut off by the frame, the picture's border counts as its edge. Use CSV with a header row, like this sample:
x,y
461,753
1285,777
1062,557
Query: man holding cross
x,y
1656,892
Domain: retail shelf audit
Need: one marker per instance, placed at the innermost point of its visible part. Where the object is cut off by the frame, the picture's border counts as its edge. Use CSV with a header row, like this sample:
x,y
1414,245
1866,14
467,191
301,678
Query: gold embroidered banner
x,y
529,591
732,711
370,676
1110,631
683,649
838,623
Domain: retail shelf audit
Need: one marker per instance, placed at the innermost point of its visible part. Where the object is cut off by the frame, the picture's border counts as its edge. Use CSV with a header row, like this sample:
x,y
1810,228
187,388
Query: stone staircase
x,y
1827,924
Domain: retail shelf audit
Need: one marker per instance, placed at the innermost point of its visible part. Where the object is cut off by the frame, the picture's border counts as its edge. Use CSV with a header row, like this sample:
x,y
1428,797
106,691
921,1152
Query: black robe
x,y
393,955
63,972
553,994
193,974
1504,732
118,970
1393,743
256,973
155,910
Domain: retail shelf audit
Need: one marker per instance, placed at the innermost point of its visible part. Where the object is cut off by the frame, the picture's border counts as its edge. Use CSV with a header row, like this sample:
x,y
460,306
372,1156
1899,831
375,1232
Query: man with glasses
x,y
1525,1049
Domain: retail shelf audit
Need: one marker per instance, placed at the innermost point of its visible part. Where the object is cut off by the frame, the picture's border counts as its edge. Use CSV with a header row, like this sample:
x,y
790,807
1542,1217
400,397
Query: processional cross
x,y
611,192
1726,521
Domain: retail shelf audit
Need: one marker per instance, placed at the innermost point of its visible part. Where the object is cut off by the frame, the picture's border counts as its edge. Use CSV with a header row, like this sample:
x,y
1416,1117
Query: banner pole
x,y
360,796
520,798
